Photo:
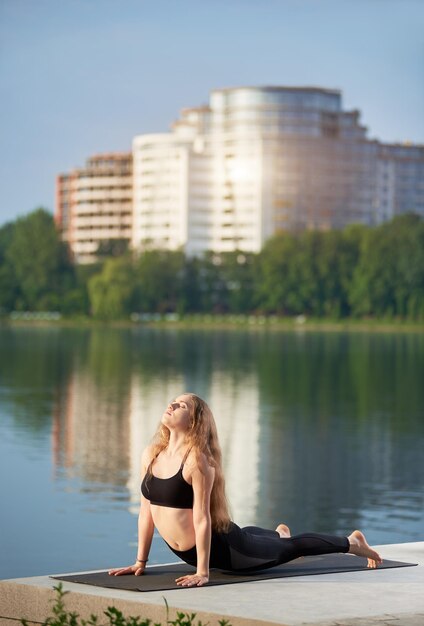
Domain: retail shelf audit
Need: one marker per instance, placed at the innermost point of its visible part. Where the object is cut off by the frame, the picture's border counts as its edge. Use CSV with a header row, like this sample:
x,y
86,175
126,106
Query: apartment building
x,y
253,162
161,166
400,180
262,160
94,205
173,186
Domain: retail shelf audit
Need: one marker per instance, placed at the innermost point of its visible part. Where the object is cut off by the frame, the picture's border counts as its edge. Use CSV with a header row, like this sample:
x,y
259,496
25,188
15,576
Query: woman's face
x,y
178,413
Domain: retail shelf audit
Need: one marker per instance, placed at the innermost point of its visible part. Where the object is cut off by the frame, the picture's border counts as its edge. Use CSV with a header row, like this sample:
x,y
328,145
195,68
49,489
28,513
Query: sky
x,y
79,77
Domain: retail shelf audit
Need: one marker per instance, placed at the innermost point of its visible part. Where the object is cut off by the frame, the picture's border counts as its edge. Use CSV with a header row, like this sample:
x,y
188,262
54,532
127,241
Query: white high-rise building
x,y
160,213
256,161
253,162
172,186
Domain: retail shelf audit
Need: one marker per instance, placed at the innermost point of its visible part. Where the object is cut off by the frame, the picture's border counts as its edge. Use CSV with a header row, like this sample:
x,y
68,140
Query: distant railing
x,y
35,315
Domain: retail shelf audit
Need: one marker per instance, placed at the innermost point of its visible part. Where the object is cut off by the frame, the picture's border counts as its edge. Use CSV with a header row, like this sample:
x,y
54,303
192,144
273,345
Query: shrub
x,y
61,617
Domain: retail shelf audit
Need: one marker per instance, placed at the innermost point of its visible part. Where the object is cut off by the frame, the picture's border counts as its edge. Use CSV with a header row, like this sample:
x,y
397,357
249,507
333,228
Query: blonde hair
x,y
202,436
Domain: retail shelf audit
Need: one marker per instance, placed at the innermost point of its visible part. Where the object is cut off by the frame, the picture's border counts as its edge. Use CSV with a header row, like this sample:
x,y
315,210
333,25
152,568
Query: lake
x,y
323,431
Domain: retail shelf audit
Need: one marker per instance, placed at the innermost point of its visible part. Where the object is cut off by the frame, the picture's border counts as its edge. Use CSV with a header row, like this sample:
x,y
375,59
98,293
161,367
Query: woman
x,y
188,506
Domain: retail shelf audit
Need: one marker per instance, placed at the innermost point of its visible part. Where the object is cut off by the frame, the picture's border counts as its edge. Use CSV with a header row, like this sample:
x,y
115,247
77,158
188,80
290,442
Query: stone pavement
x,y
385,597
386,620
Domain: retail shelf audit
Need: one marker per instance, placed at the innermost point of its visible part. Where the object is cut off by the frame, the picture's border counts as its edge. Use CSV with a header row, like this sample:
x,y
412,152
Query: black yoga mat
x,y
163,577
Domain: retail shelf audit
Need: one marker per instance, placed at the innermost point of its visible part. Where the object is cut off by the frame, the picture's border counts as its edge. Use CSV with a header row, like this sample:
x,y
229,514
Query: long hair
x,y
202,436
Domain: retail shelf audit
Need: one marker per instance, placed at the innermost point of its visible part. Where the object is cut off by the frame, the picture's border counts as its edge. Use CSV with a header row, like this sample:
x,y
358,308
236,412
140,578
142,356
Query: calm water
x,y
323,431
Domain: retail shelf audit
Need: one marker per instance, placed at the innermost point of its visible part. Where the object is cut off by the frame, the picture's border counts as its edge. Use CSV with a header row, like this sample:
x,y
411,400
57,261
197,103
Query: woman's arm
x,y
202,481
145,530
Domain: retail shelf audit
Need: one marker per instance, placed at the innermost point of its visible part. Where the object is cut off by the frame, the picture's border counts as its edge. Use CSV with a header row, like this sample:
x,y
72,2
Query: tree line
x,y
356,272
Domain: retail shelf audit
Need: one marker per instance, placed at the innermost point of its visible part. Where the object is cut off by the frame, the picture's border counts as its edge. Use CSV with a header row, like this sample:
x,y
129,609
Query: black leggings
x,y
252,548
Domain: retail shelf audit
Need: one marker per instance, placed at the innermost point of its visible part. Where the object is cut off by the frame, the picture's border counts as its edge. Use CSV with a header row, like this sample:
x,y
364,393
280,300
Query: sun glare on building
x,y
253,162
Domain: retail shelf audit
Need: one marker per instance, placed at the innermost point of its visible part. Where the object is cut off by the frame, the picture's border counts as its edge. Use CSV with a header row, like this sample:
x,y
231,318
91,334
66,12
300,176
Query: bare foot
x,y
283,531
360,547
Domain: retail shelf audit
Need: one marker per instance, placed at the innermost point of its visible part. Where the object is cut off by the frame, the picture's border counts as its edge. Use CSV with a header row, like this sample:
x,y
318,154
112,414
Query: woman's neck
x,y
177,442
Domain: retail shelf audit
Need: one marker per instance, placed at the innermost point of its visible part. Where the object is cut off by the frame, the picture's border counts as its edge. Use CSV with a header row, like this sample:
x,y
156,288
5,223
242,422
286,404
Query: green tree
x,y
111,292
76,300
189,300
350,249
236,289
159,279
389,277
409,288
309,272
212,287
9,291
280,285
40,262
335,259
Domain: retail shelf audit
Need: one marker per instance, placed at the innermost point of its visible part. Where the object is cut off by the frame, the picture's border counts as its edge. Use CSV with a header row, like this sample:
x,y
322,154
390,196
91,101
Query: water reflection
x,y
322,431
208,365
148,401
347,430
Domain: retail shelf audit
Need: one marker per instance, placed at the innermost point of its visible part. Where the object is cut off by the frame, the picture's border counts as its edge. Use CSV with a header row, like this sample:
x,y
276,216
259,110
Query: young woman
x,y
185,500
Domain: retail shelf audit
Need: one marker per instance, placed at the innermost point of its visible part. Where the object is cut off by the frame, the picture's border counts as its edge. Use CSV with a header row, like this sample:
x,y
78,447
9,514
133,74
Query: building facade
x,y
262,160
400,180
173,186
94,205
254,162
161,166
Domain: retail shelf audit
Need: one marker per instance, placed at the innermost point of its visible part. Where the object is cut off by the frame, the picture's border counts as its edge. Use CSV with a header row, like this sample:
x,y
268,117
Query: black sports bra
x,y
174,492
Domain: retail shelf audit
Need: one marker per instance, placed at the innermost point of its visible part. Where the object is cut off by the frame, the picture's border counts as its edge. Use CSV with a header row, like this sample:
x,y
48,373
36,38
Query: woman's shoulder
x,y
147,455
197,459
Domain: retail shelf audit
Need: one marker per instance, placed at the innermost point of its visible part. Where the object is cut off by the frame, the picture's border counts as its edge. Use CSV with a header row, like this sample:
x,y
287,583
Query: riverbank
x,y
382,596
210,322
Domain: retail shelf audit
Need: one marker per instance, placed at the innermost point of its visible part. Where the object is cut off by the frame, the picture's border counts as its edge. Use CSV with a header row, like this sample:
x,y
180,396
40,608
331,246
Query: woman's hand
x,y
192,580
135,569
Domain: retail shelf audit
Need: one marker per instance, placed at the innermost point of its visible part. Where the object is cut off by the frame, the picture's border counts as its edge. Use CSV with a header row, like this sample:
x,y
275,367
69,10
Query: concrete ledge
x,y
386,596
